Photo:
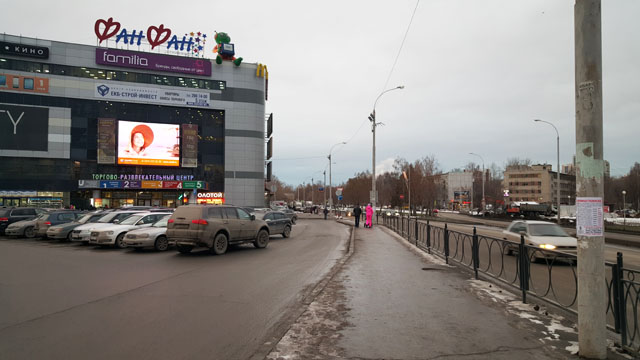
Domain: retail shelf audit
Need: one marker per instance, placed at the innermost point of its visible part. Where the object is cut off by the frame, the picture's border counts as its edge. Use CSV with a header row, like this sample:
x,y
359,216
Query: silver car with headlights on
x,y
150,237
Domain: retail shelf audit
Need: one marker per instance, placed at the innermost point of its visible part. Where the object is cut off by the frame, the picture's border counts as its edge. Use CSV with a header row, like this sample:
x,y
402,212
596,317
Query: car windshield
x,y
107,218
162,222
131,220
85,218
546,230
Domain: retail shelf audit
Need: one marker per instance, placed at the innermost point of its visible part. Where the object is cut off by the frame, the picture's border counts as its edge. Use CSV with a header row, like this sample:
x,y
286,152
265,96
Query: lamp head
x,y
536,120
624,192
400,87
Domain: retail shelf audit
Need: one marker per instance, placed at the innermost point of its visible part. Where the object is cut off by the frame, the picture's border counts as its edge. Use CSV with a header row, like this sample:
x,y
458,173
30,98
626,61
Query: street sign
x,y
401,197
373,196
338,191
339,197
274,188
321,189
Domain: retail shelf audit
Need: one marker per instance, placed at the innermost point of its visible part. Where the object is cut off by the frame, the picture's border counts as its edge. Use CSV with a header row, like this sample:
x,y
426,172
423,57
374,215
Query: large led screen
x,y
148,144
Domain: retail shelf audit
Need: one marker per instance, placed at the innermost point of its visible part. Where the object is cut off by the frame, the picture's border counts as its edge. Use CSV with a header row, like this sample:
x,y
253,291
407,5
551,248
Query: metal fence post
x,y
416,231
428,237
524,274
475,253
622,301
615,283
446,244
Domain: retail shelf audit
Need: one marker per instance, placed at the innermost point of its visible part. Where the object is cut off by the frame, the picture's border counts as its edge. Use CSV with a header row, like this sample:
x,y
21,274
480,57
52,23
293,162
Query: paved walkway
x,y
388,302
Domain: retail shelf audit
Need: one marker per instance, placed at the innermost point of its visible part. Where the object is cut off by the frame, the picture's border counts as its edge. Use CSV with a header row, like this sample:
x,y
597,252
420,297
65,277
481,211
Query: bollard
x,y
475,253
524,274
446,244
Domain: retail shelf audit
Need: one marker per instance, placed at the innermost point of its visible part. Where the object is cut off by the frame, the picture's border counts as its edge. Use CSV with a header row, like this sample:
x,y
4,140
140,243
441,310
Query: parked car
x,y
83,232
64,231
55,218
24,228
215,227
10,215
154,236
113,234
277,221
540,234
291,215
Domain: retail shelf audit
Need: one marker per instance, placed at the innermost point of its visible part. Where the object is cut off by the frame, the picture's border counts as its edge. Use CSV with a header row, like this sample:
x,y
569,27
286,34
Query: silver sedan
x,y
149,237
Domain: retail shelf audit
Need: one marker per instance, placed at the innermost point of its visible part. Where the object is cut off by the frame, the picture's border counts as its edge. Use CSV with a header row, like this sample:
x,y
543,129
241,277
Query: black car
x,y
291,215
11,215
278,222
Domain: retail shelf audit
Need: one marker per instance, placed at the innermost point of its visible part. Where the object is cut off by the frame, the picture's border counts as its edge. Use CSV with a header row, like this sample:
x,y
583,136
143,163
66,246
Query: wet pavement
x,y
388,302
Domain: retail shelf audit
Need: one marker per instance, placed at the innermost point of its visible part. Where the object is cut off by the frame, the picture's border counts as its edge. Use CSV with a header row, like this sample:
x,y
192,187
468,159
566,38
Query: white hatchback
x,y
542,235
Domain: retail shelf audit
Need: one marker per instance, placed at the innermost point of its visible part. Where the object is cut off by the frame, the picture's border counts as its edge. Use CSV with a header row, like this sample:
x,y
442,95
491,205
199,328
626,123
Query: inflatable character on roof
x,y
225,49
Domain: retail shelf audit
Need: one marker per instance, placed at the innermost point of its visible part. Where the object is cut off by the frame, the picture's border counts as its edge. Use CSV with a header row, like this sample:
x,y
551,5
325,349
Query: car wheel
x,y
184,249
293,220
262,239
68,239
29,232
161,244
287,231
120,242
220,244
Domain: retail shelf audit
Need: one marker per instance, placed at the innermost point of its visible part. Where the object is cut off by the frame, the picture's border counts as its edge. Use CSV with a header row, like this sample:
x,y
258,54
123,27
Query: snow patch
x,y
573,348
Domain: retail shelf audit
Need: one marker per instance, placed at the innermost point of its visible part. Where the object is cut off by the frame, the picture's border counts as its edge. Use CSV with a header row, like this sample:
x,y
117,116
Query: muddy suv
x,y
215,227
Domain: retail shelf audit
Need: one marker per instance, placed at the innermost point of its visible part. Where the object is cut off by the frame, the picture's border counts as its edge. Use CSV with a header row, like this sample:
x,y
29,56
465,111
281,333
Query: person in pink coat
x,y
369,212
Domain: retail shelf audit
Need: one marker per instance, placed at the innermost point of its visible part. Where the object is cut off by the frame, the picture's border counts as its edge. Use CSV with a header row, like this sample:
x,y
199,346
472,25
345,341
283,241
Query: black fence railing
x,y
548,275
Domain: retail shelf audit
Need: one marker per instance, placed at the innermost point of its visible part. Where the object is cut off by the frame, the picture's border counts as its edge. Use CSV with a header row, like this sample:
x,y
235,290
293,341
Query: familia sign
x,y
152,95
153,62
155,36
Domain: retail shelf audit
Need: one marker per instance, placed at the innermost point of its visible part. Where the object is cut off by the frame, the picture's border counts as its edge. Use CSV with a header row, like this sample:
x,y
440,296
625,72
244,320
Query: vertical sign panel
x,y
189,145
106,141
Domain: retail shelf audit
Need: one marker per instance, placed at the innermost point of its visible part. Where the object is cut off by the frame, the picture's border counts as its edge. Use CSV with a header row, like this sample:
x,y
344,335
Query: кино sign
x,y
14,49
153,62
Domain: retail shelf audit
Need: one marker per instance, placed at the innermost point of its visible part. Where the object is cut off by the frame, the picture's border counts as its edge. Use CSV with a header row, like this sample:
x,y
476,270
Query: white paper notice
x,y
590,217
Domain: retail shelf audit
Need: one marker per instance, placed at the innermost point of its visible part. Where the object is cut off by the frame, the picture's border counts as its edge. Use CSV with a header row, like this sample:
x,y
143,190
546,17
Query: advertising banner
x,y
110,184
153,62
31,84
152,95
106,141
88,184
193,185
148,144
189,145
128,184
590,216
38,52
172,184
152,184
216,198
24,128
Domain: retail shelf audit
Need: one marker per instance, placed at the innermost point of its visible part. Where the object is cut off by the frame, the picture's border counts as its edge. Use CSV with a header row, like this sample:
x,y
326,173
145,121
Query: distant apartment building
x,y
459,190
538,183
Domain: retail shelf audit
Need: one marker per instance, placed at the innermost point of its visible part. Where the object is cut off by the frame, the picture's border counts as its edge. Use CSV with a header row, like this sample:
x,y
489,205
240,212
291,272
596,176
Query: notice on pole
x,y
590,216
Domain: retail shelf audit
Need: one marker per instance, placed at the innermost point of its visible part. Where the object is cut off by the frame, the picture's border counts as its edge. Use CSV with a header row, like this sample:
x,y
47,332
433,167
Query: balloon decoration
x,y
225,49
200,39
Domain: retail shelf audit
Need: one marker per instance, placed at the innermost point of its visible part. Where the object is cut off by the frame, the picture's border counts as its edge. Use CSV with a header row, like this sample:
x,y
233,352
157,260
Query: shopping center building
x,y
105,126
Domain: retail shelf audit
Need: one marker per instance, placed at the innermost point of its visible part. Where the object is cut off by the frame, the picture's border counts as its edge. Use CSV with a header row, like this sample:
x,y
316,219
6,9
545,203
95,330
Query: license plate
x,y
181,226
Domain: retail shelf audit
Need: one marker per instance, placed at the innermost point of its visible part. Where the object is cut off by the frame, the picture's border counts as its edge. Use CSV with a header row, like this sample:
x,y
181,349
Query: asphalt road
x,y
69,301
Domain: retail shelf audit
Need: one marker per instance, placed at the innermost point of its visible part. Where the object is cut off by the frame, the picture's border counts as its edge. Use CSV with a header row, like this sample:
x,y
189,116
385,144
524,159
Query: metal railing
x,y
547,275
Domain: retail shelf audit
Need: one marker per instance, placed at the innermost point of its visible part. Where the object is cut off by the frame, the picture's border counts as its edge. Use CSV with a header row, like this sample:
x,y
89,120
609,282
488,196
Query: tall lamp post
x,y
558,169
329,157
372,118
484,206
624,210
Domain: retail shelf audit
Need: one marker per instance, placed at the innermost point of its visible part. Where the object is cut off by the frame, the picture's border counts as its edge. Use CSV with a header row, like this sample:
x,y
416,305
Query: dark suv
x,y
11,215
215,227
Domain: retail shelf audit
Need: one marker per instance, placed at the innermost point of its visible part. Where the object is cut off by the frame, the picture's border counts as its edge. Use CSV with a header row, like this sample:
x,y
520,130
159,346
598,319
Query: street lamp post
x,y
329,157
624,210
484,205
558,169
372,118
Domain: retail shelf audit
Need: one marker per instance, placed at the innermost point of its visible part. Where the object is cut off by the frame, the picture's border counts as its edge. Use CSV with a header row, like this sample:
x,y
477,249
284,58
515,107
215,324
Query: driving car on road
x,y
154,236
215,227
542,235
113,234
291,215
24,228
64,231
83,232
277,221
11,215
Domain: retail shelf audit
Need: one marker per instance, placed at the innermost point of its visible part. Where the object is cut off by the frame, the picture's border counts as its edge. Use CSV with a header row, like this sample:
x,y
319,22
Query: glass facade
x,y
62,175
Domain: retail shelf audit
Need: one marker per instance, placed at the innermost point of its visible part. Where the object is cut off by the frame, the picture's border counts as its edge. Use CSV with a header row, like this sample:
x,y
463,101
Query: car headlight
x,y
109,232
142,236
548,246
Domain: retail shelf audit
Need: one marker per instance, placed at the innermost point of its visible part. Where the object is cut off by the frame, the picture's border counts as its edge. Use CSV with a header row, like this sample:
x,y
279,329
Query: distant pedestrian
x,y
357,212
325,211
369,212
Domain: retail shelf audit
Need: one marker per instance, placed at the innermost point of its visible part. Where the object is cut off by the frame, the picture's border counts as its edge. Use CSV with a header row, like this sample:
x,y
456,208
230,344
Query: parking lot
x,y
62,300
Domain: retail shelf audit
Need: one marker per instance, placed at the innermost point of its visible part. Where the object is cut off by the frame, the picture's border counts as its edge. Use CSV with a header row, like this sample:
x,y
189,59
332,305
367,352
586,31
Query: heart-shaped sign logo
x,y
107,32
161,35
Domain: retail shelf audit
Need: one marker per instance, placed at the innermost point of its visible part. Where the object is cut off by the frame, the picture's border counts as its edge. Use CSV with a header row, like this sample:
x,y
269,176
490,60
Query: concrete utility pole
x,y
592,305
324,190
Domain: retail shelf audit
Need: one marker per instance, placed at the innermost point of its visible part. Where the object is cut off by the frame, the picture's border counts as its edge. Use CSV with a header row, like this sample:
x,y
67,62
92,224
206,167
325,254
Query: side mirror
x,y
253,217
116,221
268,220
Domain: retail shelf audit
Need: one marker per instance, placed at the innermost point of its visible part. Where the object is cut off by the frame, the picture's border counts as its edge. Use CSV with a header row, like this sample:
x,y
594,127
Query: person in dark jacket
x,y
357,213
325,211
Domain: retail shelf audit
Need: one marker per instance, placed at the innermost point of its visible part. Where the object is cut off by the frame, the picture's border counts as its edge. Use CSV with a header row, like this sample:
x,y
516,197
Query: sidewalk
x,y
388,302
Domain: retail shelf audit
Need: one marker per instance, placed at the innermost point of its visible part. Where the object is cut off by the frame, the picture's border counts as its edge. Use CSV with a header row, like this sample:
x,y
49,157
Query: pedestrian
x,y
369,212
357,212
325,211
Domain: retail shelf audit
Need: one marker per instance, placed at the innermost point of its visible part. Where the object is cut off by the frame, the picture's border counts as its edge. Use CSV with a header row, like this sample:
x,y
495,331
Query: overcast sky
x,y
476,74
